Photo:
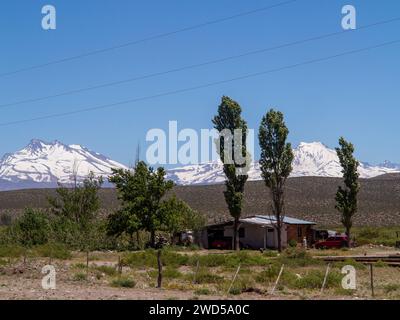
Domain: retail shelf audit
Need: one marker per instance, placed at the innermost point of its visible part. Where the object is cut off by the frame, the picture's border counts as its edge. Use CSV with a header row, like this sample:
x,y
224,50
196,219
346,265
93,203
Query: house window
x,y
299,232
241,233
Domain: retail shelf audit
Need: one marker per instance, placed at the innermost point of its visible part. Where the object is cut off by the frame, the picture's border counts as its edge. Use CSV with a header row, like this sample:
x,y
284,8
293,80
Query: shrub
x,y
297,257
269,274
203,276
171,273
168,273
368,233
270,253
391,287
32,228
108,270
11,251
53,250
292,243
315,278
149,258
380,264
123,282
245,258
80,276
243,284
79,265
350,262
202,291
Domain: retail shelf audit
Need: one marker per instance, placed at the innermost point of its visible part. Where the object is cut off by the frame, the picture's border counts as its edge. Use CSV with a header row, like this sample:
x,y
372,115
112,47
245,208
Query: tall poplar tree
x,y
232,152
276,163
346,197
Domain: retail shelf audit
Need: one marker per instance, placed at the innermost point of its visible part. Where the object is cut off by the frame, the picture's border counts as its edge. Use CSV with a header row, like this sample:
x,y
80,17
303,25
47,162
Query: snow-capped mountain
x,y
41,164
44,164
310,159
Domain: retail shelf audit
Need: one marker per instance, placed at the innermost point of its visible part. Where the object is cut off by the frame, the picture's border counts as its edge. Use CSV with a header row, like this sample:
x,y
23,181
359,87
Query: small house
x,y
257,232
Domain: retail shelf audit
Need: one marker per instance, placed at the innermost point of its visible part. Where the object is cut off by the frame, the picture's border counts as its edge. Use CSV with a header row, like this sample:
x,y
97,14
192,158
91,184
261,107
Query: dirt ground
x,y
24,281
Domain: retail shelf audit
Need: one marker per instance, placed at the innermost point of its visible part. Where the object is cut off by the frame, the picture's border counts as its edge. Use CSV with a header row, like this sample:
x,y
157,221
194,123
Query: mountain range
x,y
42,164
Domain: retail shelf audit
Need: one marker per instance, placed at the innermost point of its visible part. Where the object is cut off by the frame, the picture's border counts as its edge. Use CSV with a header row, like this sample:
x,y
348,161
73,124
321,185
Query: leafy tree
x,y
141,193
179,217
32,228
79,204
276,163
346,197
232,152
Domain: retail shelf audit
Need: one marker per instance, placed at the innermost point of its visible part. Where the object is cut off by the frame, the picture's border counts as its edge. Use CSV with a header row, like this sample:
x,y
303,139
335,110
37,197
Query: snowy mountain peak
x,y
52,162
43,164
310,159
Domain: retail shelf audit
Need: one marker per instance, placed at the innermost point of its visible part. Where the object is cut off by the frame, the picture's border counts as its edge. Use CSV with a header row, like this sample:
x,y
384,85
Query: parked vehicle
x,y
224,244
338,241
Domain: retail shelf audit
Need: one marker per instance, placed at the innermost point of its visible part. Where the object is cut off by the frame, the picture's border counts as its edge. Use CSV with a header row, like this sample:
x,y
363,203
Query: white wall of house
x,y
257,236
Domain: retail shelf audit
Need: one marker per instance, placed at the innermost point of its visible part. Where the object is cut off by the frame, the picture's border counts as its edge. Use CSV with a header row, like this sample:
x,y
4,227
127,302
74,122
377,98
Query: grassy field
x,y
190,274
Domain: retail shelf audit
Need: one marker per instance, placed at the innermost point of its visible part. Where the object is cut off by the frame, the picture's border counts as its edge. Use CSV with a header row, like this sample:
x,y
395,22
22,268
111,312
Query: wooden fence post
x,y
234,278
326,277
371,271
159,279
277,279
119,267
197,270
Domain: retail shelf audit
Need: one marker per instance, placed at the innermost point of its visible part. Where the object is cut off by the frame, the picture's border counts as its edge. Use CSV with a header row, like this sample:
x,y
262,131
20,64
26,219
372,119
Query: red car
x,y
221,244
338,241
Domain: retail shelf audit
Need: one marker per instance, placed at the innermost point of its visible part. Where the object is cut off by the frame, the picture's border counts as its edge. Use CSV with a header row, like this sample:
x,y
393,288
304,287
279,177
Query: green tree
x,y
232,150
179,217
276,163
79,204
32,228
346,197
141,193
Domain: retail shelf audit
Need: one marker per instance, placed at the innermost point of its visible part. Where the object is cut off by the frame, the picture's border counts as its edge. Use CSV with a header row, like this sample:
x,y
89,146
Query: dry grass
x,y
255,280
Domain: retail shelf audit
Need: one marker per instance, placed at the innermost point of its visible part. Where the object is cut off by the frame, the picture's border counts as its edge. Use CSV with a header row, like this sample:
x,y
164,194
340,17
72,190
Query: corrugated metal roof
x,y
269,220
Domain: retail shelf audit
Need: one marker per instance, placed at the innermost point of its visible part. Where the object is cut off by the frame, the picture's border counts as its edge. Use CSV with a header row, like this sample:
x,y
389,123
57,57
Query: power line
x,y
158,36
193,66
251,75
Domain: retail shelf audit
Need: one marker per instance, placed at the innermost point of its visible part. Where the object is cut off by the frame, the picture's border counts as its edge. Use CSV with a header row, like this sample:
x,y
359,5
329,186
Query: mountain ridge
x,y
43,164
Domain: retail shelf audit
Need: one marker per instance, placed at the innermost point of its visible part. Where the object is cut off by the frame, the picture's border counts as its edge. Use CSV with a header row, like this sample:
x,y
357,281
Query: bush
x,y
292,243
203,276
53,250
297,257
380,264
149,258
350,262
79,265
270,253
245,258
315,278
32,228
391,287
202,291
80,276
171,273
243,284
369,233
108,270
123,282
11,251
270,274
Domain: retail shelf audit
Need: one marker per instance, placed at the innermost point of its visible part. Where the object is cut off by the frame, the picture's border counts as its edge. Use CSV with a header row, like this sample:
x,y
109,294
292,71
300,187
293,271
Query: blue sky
x,y
356,96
